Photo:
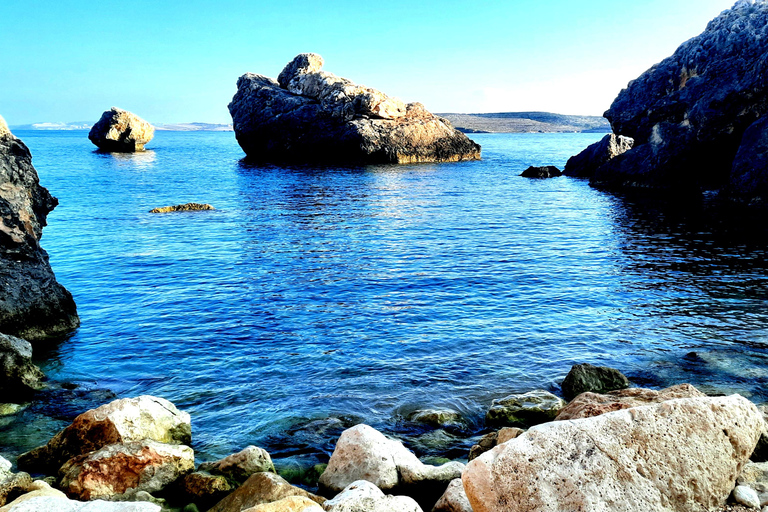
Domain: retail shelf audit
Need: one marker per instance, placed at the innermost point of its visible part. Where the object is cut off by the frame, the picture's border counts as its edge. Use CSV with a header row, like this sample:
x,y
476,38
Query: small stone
x,y
746,496
188,207
547,171
204,488
525,410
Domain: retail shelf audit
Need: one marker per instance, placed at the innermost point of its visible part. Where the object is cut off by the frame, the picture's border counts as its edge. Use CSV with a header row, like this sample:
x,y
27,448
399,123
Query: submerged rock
x,y
436,417
310,115
680,455
188,207
598,154
121,131
18,376
32,304
548,171
524,410
596,379
121,421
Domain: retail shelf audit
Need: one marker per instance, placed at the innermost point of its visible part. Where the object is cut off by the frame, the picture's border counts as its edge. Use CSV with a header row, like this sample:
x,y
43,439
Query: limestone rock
x,y
761,450
241,465
525,410
120,421
18,376
689,113
59,504
32,304
435,417
748,175
680,455
309,116
593,404
746,496
38,488
259,489
289,504
188,207
363,496
490,440
4,131
204,489
596,379
121,131
598,154
12,485
118,471
548,171
454,499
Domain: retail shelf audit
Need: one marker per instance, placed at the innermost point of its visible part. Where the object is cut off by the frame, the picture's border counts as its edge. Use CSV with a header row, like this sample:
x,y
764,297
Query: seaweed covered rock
x,y
309,115
524,410
121,131
689,113
32,304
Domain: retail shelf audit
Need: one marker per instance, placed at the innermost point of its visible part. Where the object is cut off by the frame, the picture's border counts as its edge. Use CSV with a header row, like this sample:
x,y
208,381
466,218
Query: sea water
x,y
313,298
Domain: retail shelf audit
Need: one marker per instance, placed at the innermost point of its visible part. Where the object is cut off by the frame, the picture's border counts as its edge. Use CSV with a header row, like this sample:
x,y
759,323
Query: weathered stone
x,y
490,440
593,404
289,504
13,485
525,410
436,417
204,489
596,379
4,131
18,376
241,465
680,455
508,433
761,450
5,467
363,496
120,421
188,207
121,131
11,409
548,171
119,471
746,496
598,154
748,176
689,113
454,499
59,504
32,304
754,475
259,489
439,475
310,115
38,488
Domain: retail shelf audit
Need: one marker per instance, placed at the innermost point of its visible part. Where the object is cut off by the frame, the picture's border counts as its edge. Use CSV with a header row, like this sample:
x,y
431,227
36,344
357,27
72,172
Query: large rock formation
x,y
32,304
121,131
309,115
682,455
688,114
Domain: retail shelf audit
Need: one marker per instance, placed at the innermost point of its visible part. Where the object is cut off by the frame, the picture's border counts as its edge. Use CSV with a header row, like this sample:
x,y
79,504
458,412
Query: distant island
x,y
526,122
177,127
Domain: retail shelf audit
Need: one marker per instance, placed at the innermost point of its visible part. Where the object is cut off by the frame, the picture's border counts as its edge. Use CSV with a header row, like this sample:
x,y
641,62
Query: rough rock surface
x,y
548,171
490,440
119,471
688,114
241,465
187,207
4,131
436,417
309,115
59,504
598,154
120,421
204,489
121,131
524,410
454,499
38,488
593,404
18,376
259,489
363,496
746,496
681,455
748,175
32,304
596,379
12,485
289,504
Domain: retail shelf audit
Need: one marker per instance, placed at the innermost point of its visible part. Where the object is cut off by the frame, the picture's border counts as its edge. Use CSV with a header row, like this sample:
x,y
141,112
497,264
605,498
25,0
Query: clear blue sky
x,y
178,61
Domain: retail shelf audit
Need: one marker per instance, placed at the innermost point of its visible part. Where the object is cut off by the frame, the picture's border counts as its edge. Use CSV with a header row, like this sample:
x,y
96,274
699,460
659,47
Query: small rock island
x,y
310,116
120,131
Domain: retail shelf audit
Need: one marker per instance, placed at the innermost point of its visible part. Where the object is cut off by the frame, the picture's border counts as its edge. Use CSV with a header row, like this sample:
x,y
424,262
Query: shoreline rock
x,y
120,131
310,116
596,379
18,376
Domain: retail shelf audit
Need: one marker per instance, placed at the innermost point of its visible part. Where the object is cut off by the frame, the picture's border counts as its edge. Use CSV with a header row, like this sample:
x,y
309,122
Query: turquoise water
x,y
365,293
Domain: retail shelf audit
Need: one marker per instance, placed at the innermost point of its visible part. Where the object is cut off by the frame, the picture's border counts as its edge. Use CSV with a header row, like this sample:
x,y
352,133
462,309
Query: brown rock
x,y
454,499
36,489
188,207
489,441
289,504
259,489
241,465
121,131
592,404
13,485
204,489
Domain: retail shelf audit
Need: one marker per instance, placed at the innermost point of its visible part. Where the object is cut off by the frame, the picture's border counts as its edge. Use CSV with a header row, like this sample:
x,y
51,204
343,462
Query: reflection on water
x,y
141,160
316,297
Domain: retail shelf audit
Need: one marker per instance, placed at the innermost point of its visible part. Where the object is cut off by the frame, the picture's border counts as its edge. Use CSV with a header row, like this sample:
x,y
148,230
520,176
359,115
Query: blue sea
x,y
313,298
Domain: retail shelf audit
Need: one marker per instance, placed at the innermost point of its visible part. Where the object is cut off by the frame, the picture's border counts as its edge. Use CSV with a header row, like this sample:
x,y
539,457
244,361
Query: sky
x,y
173,61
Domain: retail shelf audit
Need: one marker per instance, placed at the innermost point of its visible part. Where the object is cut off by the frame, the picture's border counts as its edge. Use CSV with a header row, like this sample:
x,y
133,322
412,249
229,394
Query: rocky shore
x,y
611,447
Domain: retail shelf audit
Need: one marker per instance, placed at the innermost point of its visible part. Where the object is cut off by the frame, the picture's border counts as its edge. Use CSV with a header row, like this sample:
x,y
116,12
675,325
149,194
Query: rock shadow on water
x,y
141,160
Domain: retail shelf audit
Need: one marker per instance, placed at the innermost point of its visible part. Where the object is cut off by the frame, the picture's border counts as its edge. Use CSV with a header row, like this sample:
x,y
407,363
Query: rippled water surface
x,y
366,293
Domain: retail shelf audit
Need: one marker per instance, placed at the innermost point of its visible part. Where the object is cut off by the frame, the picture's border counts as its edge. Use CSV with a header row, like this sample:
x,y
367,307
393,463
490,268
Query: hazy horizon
x,y
179,62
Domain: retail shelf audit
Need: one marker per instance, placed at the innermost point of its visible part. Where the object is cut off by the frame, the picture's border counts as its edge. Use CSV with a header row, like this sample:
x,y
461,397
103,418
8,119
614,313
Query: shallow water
x,y
366,293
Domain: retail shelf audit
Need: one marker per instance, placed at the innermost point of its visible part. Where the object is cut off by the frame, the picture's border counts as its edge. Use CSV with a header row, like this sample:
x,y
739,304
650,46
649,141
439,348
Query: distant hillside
x,y
53,126
178,127
527,122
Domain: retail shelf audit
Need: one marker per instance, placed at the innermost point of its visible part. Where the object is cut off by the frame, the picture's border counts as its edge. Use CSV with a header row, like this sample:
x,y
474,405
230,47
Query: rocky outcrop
x,y
454,499
120,421
187,207
120,131
119,471
18,376
32,304
236,468
593,404
524,410
689,114
363,496
547,171
259,489
309,115
598,154
596,379
681,455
